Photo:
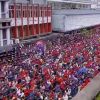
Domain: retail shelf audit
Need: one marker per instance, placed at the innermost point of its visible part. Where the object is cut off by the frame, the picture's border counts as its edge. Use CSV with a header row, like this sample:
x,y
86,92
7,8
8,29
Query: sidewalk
x,y
90,91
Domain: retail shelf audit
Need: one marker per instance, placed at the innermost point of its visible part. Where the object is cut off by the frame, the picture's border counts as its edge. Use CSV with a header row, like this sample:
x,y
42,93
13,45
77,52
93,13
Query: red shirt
x,y
62,86
27,92
52,95
59,79
23,73
55,52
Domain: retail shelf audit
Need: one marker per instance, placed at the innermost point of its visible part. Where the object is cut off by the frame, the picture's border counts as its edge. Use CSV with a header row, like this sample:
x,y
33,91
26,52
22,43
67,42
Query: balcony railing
x,y
19,10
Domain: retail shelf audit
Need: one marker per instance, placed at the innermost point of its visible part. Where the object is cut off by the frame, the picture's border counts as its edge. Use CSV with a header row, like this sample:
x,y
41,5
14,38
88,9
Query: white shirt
x,y
65,97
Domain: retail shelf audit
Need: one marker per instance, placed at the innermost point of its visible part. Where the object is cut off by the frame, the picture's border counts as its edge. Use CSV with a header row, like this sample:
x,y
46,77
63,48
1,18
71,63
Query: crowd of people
x,y
56,69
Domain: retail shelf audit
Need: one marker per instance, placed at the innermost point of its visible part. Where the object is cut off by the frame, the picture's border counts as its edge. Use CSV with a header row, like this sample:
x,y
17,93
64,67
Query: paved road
x,y
90,91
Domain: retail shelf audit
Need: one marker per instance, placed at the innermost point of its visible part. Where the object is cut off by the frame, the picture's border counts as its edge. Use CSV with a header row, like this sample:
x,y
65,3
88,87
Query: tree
x,y
86,32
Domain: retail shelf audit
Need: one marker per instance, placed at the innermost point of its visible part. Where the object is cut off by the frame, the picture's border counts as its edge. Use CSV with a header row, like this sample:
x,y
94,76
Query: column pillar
x,y
8,36
7,9
1,38
0,9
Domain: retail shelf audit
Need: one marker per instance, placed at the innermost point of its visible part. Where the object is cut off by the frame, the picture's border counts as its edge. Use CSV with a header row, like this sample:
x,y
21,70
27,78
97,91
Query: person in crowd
x,y
55,70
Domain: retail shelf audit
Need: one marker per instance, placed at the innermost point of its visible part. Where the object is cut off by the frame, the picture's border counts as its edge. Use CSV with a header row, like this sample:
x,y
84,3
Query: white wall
x,y
65,22
41,20
18,1
8,36
40,1
79,21
94,6
29,1
7,9
58,23
1,39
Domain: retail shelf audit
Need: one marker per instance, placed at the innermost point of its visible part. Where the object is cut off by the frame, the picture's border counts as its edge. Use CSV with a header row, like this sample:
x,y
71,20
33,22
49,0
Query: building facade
x,y
98,4
5,22
76,19
70,15
22,19
29,1
73,4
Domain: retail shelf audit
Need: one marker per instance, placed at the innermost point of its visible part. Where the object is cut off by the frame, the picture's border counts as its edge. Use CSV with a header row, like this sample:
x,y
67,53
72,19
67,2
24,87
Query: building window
x,y
4,24
4,42
4,34
3,9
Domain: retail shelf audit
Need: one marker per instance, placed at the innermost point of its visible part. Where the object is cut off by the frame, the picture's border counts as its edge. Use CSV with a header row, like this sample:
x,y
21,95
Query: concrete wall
x,y
76,12
4,15
75,19
1,37
80,21
40,1
58,23
29,1
18,1
73,1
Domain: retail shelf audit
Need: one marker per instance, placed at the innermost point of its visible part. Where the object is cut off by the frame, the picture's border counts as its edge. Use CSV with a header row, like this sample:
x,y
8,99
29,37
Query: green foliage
x,y
98,97
86,32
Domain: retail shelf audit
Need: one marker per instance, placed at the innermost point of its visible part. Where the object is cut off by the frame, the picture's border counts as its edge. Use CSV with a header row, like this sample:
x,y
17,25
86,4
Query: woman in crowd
x,y
57,70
